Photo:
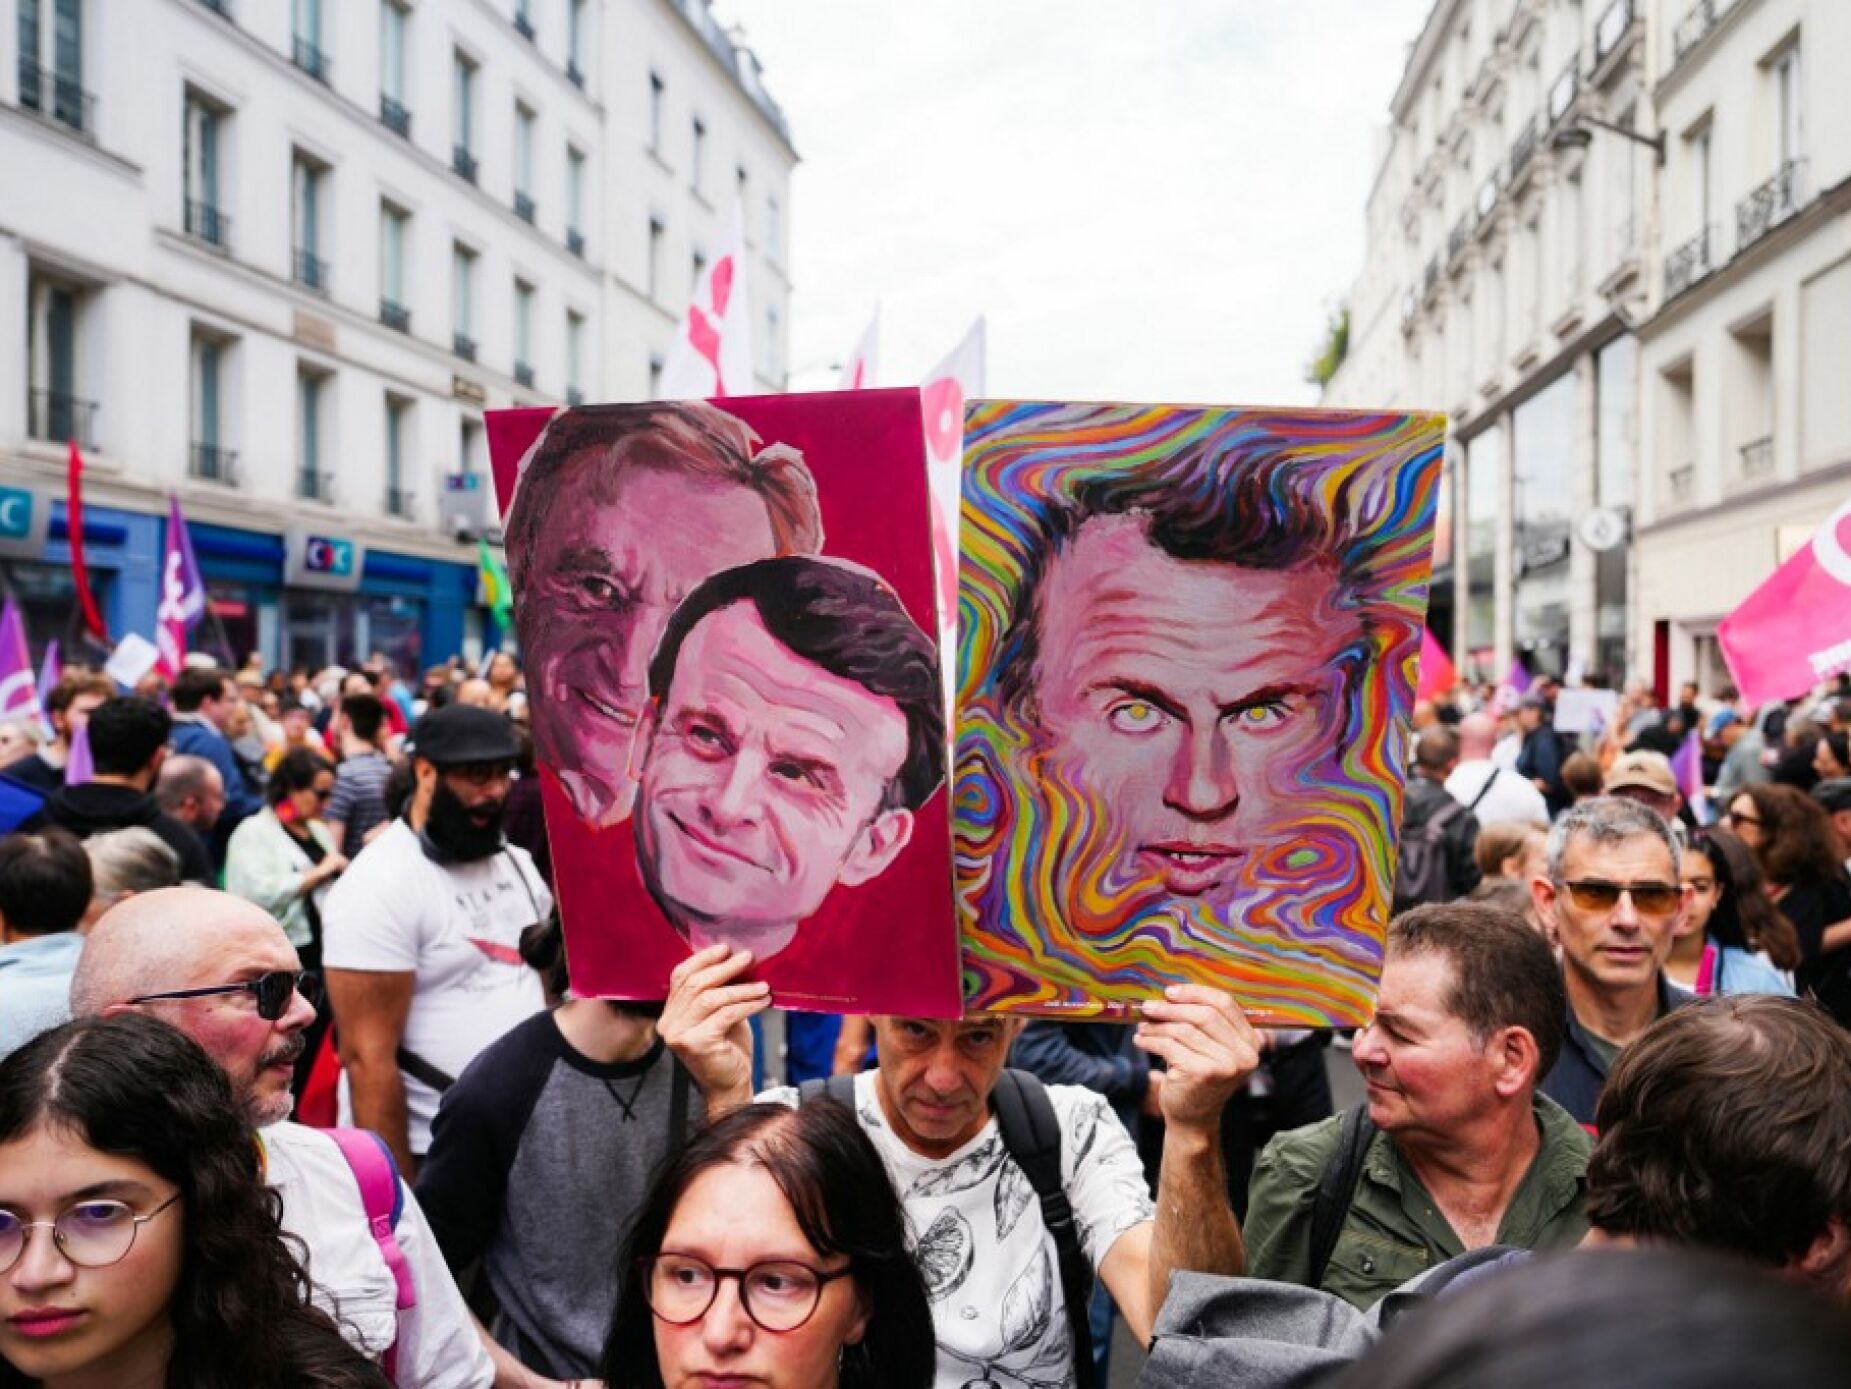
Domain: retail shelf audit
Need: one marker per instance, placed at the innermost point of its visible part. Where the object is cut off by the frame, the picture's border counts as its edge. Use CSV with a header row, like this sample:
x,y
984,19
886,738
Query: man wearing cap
x,y
1646,777
421,936
1834,793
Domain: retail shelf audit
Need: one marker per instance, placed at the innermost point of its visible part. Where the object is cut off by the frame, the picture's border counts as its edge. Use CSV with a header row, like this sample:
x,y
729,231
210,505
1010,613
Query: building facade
x,y
277,259
1745,412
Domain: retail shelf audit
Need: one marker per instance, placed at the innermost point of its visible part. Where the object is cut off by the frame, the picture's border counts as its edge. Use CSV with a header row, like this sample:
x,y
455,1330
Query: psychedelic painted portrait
x,y
1187,639
739,721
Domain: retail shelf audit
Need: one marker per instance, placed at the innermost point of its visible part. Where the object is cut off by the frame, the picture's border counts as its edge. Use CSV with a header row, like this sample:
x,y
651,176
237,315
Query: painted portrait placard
x,y
726,621
1187,643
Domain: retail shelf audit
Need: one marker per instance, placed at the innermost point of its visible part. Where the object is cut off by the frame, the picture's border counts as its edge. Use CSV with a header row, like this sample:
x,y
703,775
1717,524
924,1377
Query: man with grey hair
x,y
191,790
220,969
1611,900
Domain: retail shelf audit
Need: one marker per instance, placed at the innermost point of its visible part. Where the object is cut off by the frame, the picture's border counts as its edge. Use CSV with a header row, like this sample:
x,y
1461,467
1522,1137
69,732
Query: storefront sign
x,y
464,389
312,560
465,504
24,517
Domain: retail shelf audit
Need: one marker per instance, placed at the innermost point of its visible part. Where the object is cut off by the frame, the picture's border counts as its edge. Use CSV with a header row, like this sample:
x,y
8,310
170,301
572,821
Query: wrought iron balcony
x,y
1683,484
523,373
1688,264
309,57
394,116
523,26
56,97
464,346
575,242
212,463
1758,457
1523,149
1692,29
395,315
1614,23
311,272
1768,206
463,162
313,485
208,224
1562,91
523,206
401,503
59,418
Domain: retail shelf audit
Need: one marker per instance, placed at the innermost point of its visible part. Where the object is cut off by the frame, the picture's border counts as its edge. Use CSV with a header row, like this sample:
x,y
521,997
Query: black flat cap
x,y
459,733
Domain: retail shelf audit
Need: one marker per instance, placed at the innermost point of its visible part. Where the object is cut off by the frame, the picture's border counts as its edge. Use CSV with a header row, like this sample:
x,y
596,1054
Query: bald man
x,y
1491,792
220,969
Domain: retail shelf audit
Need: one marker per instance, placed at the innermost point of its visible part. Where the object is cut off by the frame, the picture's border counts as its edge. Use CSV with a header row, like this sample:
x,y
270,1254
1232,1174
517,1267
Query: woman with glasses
x,y
1798,852
1733,940
772,1250
138,1242
281,857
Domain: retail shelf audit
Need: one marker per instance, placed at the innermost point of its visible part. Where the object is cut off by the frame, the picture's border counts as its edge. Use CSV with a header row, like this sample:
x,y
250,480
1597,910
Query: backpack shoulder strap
x,y
1031,1136
382,1195
1485,790
1338,1187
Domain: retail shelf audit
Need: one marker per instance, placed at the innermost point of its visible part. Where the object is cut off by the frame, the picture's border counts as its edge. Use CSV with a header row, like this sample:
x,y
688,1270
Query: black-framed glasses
x,y
779,1295
91,1234
1648,899
272,991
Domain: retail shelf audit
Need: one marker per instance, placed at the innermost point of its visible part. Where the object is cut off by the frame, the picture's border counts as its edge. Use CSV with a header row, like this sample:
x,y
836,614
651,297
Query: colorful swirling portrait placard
x,y
1187,650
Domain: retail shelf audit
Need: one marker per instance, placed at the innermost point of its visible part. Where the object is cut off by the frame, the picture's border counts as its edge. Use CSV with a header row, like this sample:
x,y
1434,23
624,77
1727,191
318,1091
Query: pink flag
x,y
1437,675
712,352
1687,767
1519,677
858,370
1794,631
19,695
78,767
943,394
183,594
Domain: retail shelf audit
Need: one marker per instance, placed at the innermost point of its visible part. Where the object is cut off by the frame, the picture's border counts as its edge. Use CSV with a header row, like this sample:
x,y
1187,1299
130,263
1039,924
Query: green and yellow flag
x,y
496,593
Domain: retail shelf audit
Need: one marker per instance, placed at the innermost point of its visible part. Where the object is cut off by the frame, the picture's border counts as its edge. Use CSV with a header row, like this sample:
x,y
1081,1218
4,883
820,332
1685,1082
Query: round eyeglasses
x,y
91,1234
778,1295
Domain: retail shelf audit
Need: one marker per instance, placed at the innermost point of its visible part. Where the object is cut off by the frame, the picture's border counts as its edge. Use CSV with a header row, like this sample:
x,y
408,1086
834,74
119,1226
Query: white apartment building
x,y
276,257
1745,369
1508,235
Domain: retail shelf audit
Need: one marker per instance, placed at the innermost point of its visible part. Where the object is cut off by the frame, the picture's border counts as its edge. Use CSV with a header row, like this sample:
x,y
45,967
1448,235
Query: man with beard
x,y
620,511
421,936
220,969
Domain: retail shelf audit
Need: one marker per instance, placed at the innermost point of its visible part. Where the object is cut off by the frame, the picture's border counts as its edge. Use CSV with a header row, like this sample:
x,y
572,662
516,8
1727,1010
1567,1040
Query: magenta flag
x,y
1519,677
183,594
1795,630
19,695
1437,674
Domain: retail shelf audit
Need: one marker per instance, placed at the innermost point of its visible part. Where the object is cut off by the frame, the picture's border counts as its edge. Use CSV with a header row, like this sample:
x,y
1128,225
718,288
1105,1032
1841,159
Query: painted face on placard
x,y
1187,700
766,782
609,564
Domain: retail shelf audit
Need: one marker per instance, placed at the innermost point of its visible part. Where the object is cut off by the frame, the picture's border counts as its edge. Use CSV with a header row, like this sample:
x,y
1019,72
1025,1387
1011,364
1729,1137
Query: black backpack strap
x,y
1490,781
1338,1187
1031,1136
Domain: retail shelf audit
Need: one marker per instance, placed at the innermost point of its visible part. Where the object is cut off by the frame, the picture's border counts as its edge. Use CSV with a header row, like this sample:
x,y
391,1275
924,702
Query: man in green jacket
x,y
1460,1150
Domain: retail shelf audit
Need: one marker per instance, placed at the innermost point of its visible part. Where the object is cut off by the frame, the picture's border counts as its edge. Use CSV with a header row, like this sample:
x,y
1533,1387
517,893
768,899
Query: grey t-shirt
x,y
539,1159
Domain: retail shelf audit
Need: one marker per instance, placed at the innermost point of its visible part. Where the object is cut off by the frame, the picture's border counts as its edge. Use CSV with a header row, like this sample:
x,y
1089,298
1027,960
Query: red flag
x,y
80,572
1794,631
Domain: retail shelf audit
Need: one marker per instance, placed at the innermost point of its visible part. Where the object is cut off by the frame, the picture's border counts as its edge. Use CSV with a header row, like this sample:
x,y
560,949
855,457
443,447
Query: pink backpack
x,y
383,1196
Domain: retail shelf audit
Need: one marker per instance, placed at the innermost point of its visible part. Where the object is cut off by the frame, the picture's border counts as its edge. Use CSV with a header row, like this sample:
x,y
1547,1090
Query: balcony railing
x,y
394,116
1615,20
311,272
1768,206
575,242
1758,457
1692,29
523,26
309,57
523,373
212,463
208,224
1683,484
395,315
575,74
313,485
60,418
401,503
1688,264
56,97
523,206
464,346
463,162
1523,149
1562,91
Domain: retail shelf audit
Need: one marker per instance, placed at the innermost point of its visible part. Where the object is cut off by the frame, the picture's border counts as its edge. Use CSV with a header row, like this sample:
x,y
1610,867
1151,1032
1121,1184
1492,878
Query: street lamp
x,y
1576,135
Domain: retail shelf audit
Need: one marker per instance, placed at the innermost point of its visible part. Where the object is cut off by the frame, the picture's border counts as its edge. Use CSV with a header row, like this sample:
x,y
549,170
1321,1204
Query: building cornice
x,y
1420,57
1813,477
1702,51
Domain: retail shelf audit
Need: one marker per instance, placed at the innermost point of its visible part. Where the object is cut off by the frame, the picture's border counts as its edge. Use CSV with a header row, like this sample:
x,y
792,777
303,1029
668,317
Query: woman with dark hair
x,y
281,857
772,1248
1832,757
1792,839
1733,940
139,1244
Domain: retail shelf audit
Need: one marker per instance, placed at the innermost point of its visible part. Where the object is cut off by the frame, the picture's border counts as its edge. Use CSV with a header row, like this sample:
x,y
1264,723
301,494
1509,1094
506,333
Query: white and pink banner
x,y
1794,632
957,379
712,352
858,370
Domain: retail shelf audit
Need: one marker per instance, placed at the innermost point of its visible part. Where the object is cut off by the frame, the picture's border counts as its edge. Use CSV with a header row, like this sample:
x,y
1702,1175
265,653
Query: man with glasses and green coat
x,y
1611,900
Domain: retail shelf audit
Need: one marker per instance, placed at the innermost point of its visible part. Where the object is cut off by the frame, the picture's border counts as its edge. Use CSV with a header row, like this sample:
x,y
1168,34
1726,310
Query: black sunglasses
x,y
272,991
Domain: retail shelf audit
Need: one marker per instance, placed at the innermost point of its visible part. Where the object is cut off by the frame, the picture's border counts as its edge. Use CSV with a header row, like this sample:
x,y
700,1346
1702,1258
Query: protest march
x,y
909,883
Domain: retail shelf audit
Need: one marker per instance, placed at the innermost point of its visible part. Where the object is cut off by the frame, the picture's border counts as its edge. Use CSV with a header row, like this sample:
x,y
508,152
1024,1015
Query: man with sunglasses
x,y
1611,900
220,969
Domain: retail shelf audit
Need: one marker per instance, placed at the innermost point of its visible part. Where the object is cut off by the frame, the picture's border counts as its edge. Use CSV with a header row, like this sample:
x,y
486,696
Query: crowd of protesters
x,y
1612,1014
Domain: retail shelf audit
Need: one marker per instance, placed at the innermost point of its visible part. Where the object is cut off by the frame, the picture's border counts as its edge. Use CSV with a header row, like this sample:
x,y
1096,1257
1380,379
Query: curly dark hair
x,y
1798,844
135,1087
844,1202
1745,917
295,771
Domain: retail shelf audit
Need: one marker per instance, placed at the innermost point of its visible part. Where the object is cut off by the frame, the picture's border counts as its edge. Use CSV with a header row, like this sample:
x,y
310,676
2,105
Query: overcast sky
x,y
1148,199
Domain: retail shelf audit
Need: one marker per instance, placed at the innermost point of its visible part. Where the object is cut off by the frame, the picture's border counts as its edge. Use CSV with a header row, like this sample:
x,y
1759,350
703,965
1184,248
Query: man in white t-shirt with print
x,y
421,934
991,1268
